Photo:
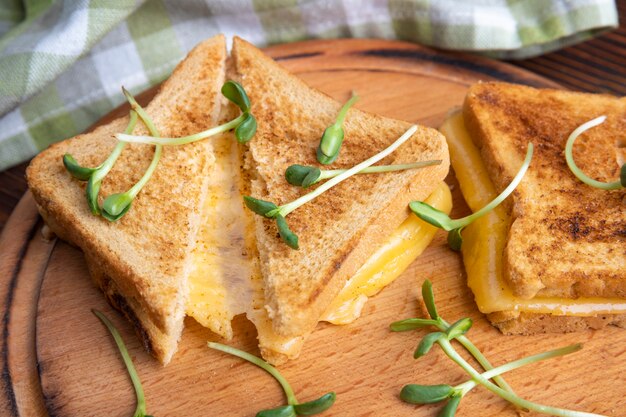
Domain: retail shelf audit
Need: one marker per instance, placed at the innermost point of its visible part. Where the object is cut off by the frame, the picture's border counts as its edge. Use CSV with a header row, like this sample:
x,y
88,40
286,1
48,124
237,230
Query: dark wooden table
x,y
598,65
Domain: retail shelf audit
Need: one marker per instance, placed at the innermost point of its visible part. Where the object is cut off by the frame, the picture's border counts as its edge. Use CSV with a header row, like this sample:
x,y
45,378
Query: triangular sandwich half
x,y
142,261
339,230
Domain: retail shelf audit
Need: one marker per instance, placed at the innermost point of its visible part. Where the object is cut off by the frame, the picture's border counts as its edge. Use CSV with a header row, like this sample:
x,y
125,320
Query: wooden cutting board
x,y
57,359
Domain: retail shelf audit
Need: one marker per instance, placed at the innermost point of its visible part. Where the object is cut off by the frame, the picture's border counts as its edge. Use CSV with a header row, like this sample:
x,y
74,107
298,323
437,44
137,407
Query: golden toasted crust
x,y
341,228
567,239
141,262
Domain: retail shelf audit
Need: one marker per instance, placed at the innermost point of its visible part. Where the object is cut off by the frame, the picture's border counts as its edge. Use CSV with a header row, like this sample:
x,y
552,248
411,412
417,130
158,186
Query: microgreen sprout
x,y
330,144
140,410
116,205
272,211
441,220
426,394
569,157
293,407
244,125
94,176
305,176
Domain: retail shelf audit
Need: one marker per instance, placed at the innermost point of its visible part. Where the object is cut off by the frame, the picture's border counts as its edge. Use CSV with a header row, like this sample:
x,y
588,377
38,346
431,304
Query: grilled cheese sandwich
x,y
487,240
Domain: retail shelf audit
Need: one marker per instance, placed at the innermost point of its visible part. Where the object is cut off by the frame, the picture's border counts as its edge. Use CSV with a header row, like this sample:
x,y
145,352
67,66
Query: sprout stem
x,y
289,207
462,222
140,411
569,157
341,116
106,166
494,372
291,397
134,190
512,398
184,140
330,173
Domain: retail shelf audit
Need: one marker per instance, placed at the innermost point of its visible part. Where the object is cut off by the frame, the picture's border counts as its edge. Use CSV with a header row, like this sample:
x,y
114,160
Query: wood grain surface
x,y
58,360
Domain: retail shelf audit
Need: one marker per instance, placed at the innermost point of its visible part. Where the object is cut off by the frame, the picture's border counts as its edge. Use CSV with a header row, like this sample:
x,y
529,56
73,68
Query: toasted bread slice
x,y
142,261
339,230
566,239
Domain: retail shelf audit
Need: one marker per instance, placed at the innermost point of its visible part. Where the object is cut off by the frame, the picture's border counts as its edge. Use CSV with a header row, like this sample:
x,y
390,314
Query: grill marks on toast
x,y
341,228
566,239
143,258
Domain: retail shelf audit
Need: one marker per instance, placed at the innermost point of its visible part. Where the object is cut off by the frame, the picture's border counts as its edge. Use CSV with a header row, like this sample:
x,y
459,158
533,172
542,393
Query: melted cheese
x,y
485,238
226,280
406,243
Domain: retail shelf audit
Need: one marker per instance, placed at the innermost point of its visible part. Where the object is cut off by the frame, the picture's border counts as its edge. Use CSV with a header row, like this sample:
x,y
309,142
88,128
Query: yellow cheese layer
x,y
406,243
219,285
485,238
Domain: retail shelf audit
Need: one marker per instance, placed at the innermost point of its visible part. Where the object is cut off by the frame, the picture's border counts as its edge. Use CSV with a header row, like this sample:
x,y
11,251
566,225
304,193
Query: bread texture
x,y
524,323
340,229
141,262
567,239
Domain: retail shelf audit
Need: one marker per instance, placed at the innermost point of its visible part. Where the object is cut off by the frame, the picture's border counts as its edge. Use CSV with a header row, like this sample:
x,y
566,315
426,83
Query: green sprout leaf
x,y
459,328
425,394
116,203
246,129
140,410
235,92
262,207
92,191
431,215
455,240
429,299
332,138
411,324
441,220
79,172
302,176
449,410
283,411
317,406
569,158
289,237
427,343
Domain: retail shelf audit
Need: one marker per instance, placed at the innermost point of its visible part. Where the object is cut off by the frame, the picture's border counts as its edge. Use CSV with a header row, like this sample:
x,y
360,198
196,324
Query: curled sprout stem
x,y
512,398
462,222
158,149
106,166
569,157
291,397
140,410
341,116
466,387
285,209
330,173
184,140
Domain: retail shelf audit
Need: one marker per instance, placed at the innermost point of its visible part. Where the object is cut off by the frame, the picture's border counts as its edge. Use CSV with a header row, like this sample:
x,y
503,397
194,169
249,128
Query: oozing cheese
x,y
406,243
226,279
485,238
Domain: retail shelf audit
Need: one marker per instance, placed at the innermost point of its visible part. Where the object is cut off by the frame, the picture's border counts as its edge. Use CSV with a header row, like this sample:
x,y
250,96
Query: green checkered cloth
x,y
62,62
